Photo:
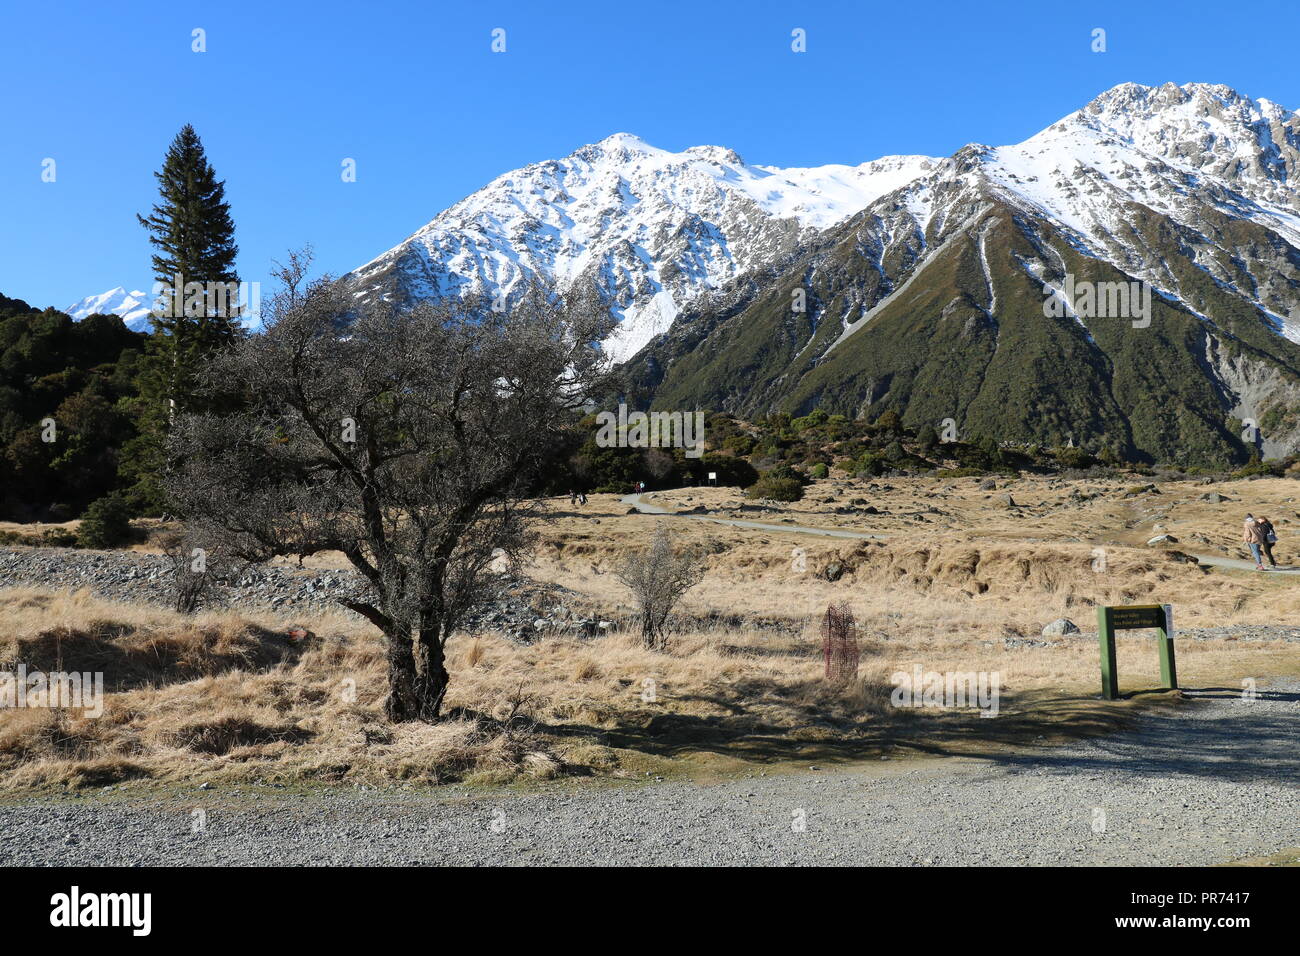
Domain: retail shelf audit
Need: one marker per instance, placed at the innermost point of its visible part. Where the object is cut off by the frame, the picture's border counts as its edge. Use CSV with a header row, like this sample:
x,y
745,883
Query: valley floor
x,y
553,753
1214,780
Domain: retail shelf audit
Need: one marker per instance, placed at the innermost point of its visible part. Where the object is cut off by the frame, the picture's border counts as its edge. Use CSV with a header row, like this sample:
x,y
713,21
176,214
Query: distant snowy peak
x,y
655,229
650,227
133,307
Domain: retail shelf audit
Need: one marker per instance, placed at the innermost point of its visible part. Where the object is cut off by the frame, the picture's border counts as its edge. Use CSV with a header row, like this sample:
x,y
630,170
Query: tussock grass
x,y
221,698
226,697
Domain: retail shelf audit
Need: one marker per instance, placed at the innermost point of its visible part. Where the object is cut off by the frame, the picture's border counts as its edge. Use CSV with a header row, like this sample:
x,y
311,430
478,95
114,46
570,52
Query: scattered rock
x,y
1059,627
1161,539
834,571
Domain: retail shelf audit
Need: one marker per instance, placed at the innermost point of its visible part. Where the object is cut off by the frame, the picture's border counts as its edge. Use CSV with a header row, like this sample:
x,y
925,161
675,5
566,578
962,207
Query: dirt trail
x,y
645,507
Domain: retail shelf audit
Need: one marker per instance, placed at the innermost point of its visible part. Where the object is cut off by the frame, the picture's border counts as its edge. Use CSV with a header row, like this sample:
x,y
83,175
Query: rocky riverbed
x,y
521,609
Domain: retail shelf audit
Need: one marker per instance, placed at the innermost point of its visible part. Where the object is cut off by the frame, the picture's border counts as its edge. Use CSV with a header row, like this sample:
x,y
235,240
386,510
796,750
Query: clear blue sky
x,y
413,92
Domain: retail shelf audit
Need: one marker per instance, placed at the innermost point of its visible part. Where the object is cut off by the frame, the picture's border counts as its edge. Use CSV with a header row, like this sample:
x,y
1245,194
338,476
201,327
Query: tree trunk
x,y
402,702
651,633
417,674
432,678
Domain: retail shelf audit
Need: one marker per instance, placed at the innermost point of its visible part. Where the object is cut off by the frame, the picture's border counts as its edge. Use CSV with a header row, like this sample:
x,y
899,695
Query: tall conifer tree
x,y
197,313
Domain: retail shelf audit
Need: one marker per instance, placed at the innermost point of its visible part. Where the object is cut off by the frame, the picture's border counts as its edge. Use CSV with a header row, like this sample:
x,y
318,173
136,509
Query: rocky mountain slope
x,y
931,300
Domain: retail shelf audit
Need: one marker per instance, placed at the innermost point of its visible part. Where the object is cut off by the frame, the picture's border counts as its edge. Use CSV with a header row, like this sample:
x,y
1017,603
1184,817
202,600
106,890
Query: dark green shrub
x,y
106,523
776,488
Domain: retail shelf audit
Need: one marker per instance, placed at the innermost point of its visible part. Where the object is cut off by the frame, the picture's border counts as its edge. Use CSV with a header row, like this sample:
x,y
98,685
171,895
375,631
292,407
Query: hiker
x,y
582,498
1270,539
1253,536
573,498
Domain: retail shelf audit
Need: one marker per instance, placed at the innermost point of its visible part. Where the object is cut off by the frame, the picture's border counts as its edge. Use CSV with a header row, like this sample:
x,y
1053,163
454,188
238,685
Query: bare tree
x,y
657,578
195,570
409,441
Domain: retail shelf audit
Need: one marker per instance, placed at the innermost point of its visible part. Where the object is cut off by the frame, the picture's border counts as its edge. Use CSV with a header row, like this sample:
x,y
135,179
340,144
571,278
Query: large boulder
x,y
1060,627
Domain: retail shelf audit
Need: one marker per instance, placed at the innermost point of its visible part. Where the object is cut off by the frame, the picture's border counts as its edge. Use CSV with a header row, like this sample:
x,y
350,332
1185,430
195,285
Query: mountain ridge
x,y
1221,257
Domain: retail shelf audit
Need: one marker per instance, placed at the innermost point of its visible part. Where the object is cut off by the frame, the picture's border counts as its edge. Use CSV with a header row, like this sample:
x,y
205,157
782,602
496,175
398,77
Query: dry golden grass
x,y
929,581
225,699
218,697
1113,512
222,697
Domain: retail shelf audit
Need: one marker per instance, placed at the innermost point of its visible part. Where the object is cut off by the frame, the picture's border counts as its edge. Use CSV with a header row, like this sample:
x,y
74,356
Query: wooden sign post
x,y
1134,617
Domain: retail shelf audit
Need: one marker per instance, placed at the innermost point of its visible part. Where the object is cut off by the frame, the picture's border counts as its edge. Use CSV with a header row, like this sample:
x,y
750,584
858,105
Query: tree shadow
x,y
1127,736
129,658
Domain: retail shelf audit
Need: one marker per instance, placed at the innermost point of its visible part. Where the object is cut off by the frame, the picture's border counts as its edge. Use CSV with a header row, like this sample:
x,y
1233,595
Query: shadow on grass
x,y
1150,732
128,658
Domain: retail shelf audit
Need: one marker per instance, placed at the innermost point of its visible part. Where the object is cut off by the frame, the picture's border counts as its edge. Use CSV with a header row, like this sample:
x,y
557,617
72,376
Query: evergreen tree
x,y
927,438
197,312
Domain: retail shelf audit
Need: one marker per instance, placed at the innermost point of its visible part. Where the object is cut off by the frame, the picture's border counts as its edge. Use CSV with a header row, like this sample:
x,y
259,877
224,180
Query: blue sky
x,y
414,93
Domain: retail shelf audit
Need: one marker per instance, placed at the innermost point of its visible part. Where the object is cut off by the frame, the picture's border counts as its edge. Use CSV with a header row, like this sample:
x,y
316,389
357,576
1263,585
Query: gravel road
x,y
1211,781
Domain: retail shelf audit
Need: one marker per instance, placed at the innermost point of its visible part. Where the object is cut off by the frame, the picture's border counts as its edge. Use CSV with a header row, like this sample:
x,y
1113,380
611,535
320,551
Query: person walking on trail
x,y
1253,536
573,498
1270,539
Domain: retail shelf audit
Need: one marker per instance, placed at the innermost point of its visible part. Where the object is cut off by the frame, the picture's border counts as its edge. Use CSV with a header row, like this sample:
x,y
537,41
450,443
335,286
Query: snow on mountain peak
x,y
133,307
652,228
1160,147
1207,127
1200,155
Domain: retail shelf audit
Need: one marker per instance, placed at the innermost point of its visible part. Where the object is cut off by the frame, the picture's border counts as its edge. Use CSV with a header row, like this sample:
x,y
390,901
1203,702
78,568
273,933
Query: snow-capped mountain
x,y
1201,155
1203,158
926,277
931,299
133,307
652,228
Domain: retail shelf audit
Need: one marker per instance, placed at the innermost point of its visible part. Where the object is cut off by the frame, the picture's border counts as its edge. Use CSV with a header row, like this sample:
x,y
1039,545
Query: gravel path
x,y
1208,782
638,503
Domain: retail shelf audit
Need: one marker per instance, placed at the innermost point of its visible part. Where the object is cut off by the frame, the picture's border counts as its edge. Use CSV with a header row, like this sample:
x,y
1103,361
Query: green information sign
x,y
1135,617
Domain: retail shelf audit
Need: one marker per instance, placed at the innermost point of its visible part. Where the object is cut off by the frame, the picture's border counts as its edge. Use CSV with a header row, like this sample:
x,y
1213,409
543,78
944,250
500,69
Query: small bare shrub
x,y
194,569
657,578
